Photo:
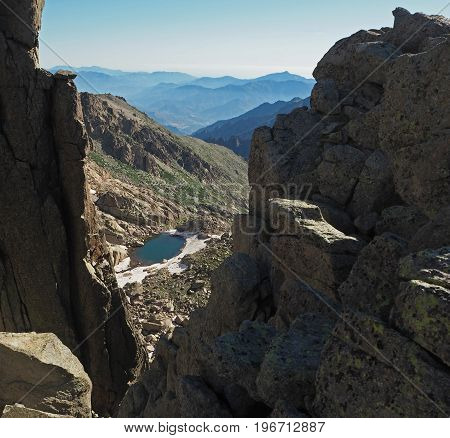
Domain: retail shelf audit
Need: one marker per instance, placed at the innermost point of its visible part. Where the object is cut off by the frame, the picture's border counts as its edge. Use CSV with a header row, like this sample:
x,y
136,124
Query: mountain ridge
x,y
185,103
191,107
236,133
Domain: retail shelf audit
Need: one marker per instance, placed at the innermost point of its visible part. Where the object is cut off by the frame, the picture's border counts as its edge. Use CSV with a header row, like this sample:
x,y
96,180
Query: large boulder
x,y
295,298
422,312
431,266
339,172
370,370
402,220
310,247
422,308
288,371
375,188
39,371
373,283
235,292
363,127
434,234
237,357
364,49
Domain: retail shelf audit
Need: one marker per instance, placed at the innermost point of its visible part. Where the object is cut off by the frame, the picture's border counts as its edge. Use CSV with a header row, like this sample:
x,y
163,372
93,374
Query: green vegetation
x,y
176,184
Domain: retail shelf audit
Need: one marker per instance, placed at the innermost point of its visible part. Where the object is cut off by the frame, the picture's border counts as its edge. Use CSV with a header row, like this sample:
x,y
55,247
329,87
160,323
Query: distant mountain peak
x,y
186,103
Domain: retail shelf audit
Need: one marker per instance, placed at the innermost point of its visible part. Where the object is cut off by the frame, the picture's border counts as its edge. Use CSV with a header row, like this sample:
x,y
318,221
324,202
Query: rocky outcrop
x,y
422,307
20,411
361,364
37,370
288,371
128,212
373,282
345,312
55,271
302,242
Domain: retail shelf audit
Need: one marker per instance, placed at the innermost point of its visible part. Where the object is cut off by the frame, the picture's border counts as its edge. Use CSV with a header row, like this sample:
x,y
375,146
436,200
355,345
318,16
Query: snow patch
x,y
193,244
123,265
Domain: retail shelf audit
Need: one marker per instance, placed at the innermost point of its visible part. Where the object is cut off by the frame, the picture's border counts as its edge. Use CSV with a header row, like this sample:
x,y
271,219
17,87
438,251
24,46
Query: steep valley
x,y
147,179
319,280
335,301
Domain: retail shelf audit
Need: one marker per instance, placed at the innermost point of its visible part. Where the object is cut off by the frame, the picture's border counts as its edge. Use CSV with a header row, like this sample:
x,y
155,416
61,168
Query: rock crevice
x,y
55,271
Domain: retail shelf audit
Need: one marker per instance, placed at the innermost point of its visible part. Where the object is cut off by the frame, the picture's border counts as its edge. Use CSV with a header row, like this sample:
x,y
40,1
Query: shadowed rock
x,y
370,370
40,372
373,283
55,271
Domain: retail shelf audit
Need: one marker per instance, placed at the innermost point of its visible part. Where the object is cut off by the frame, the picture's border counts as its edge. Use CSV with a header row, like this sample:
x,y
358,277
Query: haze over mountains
x,y
328,299
236,133
185,103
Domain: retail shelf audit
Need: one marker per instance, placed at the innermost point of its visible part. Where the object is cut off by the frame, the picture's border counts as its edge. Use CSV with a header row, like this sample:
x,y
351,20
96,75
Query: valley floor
x,y
168,295
194,242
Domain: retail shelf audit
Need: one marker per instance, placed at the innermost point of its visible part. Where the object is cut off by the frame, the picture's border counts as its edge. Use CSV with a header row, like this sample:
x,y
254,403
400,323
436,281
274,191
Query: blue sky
x,y
244,38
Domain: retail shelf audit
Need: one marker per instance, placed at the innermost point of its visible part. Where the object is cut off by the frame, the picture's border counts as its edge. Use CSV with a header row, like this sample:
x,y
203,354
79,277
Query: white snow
x,y
193,244
94,195
123,265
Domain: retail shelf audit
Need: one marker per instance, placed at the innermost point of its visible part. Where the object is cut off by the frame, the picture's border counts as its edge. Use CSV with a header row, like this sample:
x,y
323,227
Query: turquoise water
x,y
158,248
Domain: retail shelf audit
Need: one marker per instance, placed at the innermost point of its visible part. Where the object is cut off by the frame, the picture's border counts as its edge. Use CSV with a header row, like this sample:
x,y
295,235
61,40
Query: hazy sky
x,y
245,38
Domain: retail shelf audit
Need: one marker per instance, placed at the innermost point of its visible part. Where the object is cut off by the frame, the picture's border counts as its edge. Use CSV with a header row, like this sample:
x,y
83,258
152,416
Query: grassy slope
x,y
226,191
183,188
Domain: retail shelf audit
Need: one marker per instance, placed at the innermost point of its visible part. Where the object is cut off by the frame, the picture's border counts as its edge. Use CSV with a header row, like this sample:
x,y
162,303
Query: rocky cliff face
x,y
336,300
55,274
129,135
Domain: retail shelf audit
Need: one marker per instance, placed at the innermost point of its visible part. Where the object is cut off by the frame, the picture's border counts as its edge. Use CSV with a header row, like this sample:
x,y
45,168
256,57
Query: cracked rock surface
x,y
55,272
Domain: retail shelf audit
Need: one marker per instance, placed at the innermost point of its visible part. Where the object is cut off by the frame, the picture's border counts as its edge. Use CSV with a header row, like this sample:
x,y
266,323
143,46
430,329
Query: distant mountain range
x,y
236,133
185,103
99,80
